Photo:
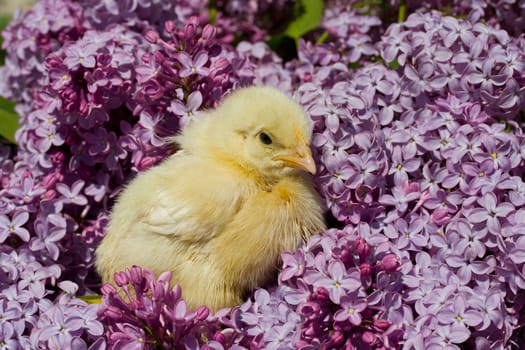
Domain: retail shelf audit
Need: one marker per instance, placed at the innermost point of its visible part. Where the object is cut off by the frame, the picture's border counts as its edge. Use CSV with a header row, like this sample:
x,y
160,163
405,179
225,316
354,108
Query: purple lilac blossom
x,y
418,138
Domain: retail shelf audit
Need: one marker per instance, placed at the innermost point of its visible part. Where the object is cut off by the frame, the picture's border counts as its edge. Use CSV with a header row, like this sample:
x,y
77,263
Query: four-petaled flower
x,y
14,226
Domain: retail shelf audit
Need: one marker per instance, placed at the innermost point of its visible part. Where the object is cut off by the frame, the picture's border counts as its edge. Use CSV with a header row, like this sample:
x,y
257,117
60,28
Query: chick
x,y
219,212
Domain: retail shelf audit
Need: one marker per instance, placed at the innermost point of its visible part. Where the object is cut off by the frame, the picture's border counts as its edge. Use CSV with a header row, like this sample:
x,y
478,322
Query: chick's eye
x,y
267,140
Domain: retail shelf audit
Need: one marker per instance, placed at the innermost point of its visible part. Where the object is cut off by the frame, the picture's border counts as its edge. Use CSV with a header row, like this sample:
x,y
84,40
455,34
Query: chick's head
x,y
265,130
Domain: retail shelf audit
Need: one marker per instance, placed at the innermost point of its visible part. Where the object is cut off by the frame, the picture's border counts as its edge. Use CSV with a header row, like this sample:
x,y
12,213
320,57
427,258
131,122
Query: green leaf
x,y
366,3
307,15
4,21
402,13
212,6
394,64
8,120
91,299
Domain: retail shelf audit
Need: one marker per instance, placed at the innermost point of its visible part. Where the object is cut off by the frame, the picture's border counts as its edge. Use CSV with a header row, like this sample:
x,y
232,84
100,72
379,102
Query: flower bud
x,y
440,217
49,194
121,278
107,289
209,32
365,269
177,292
362,247
368,338
381,324
220,64
58,158
189,30
51,179
146,163
219,337
136,275
309,331
151,36
112,312
202,313
321,294
390,263
170,26
336,338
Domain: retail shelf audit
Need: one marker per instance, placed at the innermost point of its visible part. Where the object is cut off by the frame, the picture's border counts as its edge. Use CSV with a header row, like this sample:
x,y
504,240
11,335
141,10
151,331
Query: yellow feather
x,y
219,213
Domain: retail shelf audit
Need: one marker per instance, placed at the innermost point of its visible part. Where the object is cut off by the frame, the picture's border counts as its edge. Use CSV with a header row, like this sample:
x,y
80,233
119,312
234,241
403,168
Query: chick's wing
x,y
185,198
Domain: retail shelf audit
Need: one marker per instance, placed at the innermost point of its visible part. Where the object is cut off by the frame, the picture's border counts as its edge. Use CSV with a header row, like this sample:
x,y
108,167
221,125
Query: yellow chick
x,y
219,212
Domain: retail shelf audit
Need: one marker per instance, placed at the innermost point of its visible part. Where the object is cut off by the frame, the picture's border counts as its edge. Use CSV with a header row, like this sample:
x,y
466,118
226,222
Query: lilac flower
x,y
8,336
490,310
128,337
490,212
28,192
72,194
337,281
517,190
47,238
187,112
420,156
446,337
402,166
351,308
14,226
468,266
193,66
458,316
80,55
294,265
401,196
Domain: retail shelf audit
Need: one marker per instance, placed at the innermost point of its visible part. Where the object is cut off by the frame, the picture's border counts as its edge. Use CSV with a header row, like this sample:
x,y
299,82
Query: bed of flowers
x,y
418,135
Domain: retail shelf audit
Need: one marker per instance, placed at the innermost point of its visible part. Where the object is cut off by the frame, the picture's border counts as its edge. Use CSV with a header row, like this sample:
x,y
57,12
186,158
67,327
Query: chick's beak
x,y
300,158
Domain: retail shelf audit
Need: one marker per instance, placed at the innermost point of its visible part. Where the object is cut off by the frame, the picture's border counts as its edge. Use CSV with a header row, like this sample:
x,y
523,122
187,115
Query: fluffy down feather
x,y
219,212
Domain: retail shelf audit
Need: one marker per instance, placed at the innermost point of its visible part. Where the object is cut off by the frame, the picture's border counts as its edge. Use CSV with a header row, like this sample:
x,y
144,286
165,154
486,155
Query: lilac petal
x,y
201,59
458,335
20,218
4,221
489,201
478,215
23,234
355,102
504,209
493,224
77,186
184,58
180,310
88,62
332,122
446,316
337,270
517,255
412,165
355,318
464,274
194,100
341,315
472,318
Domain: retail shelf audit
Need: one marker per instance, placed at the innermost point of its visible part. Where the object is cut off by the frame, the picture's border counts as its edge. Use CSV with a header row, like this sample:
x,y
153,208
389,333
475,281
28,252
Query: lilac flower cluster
x,y
431,159
418,138
332,293
31,37
144,312
87,125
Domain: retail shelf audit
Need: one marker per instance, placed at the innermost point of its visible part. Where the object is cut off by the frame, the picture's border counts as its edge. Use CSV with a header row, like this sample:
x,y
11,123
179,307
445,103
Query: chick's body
x,y
219,212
